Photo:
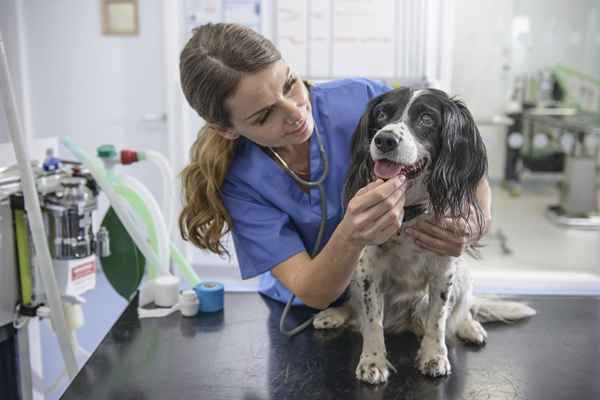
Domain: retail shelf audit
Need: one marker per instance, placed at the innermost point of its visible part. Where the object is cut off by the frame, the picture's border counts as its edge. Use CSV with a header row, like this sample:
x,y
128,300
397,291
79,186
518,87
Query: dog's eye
x,y
426,120
380,116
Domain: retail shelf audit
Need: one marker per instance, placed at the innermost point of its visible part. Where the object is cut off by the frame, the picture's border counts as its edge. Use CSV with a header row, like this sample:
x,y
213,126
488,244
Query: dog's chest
x,y
402,263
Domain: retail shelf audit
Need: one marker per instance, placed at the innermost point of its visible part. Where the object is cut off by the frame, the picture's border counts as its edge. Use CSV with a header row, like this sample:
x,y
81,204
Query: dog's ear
x,y
461,163
361,165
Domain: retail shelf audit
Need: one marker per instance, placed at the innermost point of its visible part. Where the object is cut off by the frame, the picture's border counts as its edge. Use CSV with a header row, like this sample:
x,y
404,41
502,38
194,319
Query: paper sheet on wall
x,y
245,12
367,27
372,38
290,25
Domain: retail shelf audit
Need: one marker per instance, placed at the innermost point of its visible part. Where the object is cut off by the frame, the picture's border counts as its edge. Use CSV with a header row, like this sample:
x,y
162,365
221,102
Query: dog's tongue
x,y
385,169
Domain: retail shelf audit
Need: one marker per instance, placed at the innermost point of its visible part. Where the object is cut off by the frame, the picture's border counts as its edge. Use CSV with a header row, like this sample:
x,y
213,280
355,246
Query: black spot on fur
x,y
370,319
366,284
444,295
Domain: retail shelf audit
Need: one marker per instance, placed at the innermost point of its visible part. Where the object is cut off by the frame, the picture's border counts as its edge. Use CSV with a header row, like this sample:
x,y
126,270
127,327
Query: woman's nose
x,y
293,111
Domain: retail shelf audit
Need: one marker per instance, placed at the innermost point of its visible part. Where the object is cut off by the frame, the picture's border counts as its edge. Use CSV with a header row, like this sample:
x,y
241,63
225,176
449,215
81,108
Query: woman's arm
x,y
374,214
450,237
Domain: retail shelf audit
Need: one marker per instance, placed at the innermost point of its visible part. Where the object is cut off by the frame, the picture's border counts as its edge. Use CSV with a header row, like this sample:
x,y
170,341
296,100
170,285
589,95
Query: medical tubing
x,y
157,221
184,267
96,168
59,379
149,214
167,176
34,215
135,201
315,250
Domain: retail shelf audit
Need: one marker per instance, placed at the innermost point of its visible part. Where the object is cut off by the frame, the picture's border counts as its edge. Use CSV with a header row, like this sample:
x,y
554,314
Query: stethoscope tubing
x,y
323,202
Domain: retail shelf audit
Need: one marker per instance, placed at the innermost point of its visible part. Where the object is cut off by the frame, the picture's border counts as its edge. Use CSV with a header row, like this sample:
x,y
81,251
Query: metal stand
x,y
559,216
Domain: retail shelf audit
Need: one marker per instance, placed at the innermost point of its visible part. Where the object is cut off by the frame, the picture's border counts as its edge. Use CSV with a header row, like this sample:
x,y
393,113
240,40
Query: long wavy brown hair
x,y
211,65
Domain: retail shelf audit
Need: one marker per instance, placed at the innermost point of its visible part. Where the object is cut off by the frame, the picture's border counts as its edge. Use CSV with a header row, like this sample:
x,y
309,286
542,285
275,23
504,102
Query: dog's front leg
x,y
432,358
373,366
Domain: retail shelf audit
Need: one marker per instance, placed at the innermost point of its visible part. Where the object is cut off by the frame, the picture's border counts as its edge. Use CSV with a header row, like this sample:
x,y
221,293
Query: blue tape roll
x,y
210,295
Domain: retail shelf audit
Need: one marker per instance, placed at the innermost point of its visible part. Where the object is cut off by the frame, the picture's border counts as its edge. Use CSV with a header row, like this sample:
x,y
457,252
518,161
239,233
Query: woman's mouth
x,y
300,129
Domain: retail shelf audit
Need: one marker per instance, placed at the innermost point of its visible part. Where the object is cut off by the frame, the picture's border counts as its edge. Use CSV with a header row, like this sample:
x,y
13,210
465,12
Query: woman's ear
x,y
227,133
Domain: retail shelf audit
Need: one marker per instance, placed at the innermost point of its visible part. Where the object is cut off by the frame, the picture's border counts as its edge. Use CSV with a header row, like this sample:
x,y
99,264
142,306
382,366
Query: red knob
x,y
128,157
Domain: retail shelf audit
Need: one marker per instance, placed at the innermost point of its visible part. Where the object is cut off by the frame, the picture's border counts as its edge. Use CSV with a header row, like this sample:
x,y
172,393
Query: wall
x,y
561,32
8,28
481,68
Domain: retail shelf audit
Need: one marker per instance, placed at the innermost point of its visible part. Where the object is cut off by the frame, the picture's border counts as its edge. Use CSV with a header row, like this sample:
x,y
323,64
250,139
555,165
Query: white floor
x,y
544,257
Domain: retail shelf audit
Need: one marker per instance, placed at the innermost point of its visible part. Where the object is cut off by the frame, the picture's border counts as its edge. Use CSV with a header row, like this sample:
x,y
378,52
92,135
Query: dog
x,y
433,140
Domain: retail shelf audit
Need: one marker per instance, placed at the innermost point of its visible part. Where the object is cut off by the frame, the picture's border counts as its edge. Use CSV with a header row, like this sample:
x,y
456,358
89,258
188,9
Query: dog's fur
x,y
397,285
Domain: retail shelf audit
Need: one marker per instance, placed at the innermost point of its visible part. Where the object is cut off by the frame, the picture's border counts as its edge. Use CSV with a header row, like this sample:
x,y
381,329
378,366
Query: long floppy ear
x,y
361,165
461,163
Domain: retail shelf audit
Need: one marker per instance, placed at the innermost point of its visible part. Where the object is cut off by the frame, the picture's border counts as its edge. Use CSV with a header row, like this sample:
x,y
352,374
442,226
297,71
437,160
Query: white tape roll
x,y
166,291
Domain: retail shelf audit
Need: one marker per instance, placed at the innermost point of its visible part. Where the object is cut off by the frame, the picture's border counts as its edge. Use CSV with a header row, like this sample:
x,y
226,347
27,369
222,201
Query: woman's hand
x,y
446,236
451,237
375,212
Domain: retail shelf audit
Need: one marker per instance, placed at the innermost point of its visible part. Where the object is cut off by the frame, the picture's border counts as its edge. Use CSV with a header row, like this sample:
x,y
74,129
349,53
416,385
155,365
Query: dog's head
x,y
426,136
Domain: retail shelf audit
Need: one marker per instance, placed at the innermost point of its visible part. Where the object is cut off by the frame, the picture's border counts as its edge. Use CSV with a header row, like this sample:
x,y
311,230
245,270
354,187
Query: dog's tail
x,y
490,310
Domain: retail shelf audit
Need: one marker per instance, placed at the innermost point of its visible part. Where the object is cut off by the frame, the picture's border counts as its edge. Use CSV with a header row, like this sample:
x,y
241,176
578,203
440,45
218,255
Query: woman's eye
x,y
263,118
380,116
289,84
426,120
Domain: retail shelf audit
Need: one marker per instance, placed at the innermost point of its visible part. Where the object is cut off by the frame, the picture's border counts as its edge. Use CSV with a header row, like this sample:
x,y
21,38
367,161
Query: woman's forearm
x,y
320,281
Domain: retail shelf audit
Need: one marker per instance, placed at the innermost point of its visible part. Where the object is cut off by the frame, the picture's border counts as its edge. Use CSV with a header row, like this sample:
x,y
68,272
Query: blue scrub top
x,y
273,218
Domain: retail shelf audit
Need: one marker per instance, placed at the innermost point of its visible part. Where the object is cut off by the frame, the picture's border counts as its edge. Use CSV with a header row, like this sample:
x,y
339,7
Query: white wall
x,y
93,87
480,67
562,32
8,28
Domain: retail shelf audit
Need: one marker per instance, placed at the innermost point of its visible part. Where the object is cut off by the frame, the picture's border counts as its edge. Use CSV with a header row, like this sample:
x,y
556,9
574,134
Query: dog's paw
x,y
471,331
433,362
373,368
329,319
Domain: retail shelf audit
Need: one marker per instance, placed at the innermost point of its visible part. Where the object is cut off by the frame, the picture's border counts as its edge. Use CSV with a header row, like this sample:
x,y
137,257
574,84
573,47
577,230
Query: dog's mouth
x,y
386,169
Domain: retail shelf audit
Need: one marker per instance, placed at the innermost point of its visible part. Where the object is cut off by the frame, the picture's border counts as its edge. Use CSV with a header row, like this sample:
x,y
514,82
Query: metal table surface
x,y
240,354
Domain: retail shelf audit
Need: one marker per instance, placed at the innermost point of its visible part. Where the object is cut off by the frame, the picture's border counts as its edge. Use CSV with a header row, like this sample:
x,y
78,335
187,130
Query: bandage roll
x,y
166,291
210,295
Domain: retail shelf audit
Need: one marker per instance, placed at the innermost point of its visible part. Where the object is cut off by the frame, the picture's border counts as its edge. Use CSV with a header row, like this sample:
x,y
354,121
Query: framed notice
x,y
120,17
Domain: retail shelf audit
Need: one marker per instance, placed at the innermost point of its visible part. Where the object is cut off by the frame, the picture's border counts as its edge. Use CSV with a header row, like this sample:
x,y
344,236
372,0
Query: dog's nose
x,y
386,141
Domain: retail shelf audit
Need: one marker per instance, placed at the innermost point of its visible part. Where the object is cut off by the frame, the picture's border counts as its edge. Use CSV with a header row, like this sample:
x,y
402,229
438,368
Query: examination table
x,y
240,354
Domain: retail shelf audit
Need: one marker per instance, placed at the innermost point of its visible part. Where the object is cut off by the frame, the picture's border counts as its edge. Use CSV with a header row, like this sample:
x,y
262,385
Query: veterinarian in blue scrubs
x,y
255,105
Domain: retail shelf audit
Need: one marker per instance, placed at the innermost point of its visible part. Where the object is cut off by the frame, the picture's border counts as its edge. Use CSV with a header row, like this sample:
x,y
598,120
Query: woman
x,y
259,116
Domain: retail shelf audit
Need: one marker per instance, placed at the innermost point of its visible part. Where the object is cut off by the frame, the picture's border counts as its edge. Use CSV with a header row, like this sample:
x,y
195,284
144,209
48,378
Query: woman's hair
x,y
211,66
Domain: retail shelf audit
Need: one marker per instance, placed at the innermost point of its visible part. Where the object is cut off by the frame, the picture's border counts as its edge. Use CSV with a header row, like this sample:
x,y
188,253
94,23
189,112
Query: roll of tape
x,y
210,295
166,291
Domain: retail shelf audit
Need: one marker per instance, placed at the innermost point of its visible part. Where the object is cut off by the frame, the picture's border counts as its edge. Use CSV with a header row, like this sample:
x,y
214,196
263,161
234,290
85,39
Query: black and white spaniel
x,y
433,140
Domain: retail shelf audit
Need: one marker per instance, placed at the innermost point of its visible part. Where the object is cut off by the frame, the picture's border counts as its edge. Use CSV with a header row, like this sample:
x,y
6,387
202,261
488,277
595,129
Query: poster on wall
x,y
381,39
291,27
200,12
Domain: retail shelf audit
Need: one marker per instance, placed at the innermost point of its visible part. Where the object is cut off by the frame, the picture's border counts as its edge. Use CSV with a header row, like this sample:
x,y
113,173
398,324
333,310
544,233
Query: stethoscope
x,y
310,184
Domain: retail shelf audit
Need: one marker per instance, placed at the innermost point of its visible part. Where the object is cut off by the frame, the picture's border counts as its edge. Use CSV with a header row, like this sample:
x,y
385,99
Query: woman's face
x,y
271,108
